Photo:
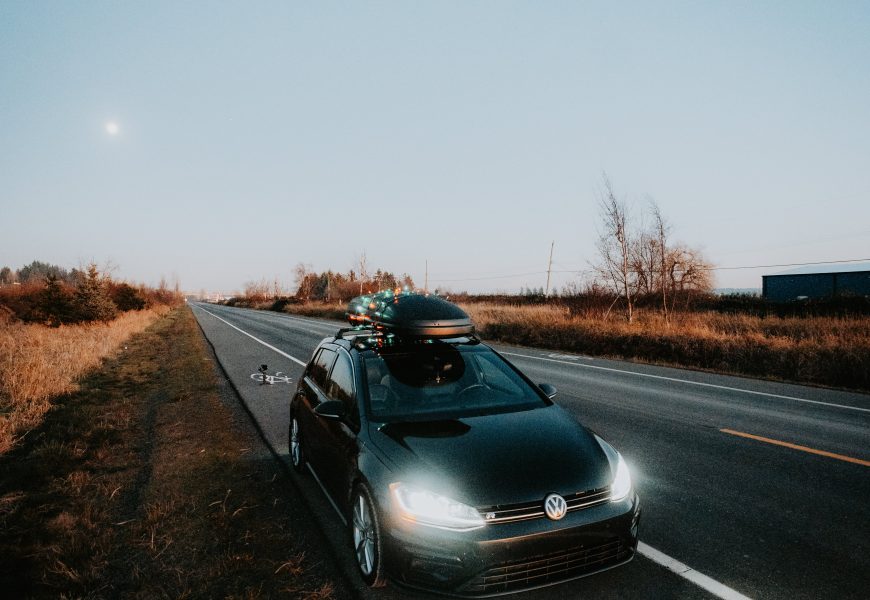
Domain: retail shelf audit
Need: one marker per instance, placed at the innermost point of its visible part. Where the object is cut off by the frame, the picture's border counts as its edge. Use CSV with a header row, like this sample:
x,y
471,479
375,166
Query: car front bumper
x,y
512,557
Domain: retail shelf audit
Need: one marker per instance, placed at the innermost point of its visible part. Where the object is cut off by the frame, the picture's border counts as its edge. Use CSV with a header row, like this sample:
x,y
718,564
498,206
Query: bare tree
x,y
363,273
278,289
303,282
644,261
637,261
661,229
615,247
257,291
689,273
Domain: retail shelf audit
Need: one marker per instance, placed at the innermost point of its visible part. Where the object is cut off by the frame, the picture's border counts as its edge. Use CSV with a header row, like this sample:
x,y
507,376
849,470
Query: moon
x,y
112,128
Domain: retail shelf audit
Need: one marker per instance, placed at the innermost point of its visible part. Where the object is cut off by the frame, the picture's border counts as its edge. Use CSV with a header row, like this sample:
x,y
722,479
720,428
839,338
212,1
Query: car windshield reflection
x,y
441,380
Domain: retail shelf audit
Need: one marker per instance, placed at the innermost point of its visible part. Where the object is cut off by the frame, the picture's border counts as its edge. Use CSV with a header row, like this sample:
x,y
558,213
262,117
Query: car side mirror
x,y
548,389
330,409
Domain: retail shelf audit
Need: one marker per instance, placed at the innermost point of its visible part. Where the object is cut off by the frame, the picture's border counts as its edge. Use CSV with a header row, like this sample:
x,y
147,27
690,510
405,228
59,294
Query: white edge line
x,y
709,385
269,346
282,353
719,590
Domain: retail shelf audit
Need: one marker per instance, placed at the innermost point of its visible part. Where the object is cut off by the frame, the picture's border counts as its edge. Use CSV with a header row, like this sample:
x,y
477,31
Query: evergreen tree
x,y
55,302
92,302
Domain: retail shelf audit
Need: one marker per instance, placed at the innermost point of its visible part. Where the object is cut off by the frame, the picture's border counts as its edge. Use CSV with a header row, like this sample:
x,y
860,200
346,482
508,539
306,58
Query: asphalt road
x,y
724,514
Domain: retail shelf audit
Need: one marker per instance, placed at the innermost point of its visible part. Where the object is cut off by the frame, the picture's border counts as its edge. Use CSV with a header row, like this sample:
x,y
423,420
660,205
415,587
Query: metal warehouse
x,y
817,282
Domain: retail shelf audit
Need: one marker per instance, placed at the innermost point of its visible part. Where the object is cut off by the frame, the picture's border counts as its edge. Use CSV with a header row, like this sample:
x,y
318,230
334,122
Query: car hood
x,y
496,459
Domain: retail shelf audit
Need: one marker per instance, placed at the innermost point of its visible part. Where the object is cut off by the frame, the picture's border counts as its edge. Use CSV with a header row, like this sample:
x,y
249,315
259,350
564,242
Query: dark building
x,y
817,282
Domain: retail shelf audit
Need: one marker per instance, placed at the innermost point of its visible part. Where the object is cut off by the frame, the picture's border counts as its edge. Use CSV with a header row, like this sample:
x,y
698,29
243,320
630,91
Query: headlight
x,y
428,508
621,485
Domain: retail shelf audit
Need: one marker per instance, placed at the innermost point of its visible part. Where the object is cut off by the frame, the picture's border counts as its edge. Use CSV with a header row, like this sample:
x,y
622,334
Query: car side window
x,y
340,387
321,365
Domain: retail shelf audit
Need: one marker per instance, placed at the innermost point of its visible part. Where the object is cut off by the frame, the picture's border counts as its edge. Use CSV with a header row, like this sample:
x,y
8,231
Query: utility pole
x,y
549,268
426,284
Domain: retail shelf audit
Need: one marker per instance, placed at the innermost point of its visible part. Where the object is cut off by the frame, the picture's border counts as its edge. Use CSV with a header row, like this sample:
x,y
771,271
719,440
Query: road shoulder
x,y
150,481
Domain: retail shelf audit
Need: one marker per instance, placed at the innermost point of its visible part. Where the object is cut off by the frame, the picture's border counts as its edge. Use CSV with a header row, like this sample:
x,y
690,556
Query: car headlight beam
x,y
621,486
428,508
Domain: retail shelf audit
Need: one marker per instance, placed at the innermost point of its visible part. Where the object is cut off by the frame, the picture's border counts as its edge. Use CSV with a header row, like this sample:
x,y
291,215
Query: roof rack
x,y
408,314
360,328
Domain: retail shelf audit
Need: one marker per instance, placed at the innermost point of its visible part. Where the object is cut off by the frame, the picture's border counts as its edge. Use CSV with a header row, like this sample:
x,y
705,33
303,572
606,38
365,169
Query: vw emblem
x,y
555,506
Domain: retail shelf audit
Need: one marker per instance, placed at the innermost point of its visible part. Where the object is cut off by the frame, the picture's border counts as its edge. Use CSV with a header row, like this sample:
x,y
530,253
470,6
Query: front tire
x,y
297,454
365,531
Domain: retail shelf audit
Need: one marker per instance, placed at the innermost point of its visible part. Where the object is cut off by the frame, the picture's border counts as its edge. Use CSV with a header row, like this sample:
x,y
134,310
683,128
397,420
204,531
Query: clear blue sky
x,y
253,136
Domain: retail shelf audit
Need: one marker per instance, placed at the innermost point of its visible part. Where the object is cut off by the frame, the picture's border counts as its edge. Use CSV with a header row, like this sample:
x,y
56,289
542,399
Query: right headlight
x,y
621,486
428,508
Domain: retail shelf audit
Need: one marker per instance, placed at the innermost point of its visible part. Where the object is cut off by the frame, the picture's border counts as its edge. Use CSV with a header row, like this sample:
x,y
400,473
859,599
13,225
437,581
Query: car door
x,y
312,394
339,436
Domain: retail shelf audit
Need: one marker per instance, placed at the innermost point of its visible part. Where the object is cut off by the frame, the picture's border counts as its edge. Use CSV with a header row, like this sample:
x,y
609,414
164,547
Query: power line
x,y
586,271
803,264
491,277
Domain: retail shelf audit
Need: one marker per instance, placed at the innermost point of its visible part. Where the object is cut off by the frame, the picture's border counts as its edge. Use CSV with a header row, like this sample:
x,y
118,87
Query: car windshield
x,y
441,380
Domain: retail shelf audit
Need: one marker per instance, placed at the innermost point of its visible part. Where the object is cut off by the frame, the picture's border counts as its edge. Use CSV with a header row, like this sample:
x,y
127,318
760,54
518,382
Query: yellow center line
x,y
850,459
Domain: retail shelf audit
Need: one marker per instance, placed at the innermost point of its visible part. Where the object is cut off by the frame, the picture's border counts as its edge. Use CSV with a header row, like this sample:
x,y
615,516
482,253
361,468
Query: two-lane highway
x,y
748,487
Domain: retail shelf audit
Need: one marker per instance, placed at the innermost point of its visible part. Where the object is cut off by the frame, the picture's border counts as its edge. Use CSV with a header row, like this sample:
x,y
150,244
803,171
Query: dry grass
x,y
321,310
145,483
38,363
821,350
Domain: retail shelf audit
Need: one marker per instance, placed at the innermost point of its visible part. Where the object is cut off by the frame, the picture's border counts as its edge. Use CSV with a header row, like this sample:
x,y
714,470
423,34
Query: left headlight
x,y
428,508
621,486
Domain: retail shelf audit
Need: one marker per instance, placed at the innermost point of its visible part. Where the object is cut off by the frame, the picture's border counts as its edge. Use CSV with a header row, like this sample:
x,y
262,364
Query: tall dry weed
x,y
38,363
824,350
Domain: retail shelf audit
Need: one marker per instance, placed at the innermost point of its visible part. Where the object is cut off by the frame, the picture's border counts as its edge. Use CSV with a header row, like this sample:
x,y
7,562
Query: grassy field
x,y
829,351
39,362
819,350
144,481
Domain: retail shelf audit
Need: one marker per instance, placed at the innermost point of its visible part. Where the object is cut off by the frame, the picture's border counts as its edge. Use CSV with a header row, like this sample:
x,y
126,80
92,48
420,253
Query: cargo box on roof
x,y
410,314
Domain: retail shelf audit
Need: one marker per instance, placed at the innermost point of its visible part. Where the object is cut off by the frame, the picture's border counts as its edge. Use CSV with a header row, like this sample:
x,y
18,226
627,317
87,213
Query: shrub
x,y
126,297
92,302
56,302
22,300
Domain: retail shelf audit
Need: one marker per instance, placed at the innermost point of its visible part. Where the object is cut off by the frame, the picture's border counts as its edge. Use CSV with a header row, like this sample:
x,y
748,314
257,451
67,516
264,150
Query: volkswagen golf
x,y
453,471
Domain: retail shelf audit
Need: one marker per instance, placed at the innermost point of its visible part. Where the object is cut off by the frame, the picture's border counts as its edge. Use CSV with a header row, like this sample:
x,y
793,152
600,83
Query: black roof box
x,y
410,314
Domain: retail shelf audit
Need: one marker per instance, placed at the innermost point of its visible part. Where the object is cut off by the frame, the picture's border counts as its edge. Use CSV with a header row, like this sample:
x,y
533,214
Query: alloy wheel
x,y
365,537
295,445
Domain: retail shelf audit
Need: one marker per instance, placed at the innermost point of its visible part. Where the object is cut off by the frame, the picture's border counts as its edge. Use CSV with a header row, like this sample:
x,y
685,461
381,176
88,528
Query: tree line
x,y
49,294
328,286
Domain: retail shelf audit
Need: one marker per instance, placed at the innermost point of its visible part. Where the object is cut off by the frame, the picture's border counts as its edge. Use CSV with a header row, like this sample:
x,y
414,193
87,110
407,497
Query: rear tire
x,y
365,535
297,454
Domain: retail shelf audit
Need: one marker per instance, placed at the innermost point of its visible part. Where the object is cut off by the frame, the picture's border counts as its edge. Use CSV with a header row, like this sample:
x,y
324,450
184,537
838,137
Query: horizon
x,y
220,145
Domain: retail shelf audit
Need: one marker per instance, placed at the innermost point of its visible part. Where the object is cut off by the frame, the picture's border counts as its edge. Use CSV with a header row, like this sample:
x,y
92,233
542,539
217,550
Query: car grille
x,y
535,510
547,569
